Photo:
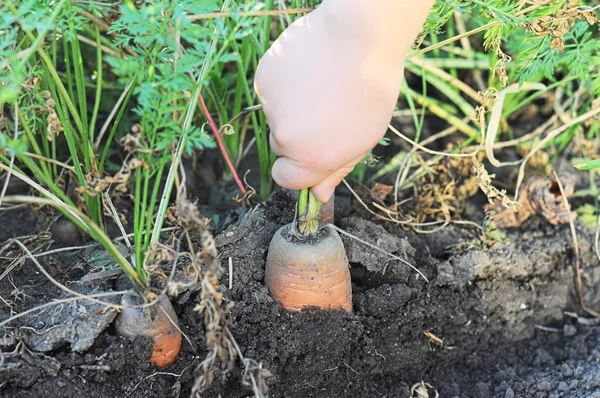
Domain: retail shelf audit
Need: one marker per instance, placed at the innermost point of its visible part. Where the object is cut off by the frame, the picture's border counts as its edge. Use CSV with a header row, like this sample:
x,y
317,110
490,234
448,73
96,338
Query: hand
x,y
328,90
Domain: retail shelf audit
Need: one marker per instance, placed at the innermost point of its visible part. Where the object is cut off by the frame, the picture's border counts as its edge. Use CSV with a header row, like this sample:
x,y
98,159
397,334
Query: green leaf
x,y
589,165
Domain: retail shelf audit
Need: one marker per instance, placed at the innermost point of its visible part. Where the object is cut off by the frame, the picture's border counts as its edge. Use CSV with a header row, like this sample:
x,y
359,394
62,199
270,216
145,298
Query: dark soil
x,y
505,314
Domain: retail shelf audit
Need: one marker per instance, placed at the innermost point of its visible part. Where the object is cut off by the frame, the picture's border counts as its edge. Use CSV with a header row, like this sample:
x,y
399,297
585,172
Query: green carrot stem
x,y
307,213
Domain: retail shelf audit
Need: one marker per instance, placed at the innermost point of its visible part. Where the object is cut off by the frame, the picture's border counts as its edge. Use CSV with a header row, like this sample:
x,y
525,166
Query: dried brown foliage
x,y
542,196
442,192
493,194
222,349
558,26
54,127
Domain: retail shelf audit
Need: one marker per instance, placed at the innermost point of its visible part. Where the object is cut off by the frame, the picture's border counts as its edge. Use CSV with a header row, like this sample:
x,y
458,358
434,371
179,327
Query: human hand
x,y
329,88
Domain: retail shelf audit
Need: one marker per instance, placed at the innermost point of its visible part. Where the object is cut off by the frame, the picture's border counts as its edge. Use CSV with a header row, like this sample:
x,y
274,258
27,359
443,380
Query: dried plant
x,y
222,349
541,195
493,194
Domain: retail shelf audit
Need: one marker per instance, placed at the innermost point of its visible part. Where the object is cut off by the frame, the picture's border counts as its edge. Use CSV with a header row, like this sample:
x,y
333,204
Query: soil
x,y
500,321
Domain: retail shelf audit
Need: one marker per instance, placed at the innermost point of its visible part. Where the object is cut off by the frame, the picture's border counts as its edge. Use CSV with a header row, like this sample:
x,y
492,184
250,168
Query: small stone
x,y
483,390
562,386
567,371
543,358
569,330
544,385
509,393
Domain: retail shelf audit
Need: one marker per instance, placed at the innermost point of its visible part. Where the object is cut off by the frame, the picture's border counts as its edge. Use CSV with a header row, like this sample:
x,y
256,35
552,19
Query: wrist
x,y
386,29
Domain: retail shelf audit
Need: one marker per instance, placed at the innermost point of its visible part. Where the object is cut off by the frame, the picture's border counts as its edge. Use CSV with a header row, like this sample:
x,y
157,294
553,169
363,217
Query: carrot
x,y
327,211
158,322
307,264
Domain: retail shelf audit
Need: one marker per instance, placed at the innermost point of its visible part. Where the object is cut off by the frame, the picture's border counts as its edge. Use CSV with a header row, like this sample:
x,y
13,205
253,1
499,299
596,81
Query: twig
x,y
551,135
178,328
115,216
156,374
112,113
101,24
64,301
57,283
230,273
45,159
575,249
403,168
106,49
378,249
431,151
101,368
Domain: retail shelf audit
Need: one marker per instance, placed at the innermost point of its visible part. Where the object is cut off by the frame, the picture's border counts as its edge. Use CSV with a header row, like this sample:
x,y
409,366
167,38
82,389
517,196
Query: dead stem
x,y
64,301
576,250
57,283
551,135
378,249
112,113
409,223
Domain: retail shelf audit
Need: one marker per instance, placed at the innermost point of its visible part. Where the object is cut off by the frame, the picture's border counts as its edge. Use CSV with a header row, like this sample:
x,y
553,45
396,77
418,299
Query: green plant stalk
x,y
95,232
452,33
46,146
92,127
259,127
42,34
308,212
80,84
447,89
138,226
443,114
67,59
535,95
152,206
419,127
89,200
54,165
34,144
269,4
411,103
164,200
563,140
61,88
240,82
54,48
113,130
37,172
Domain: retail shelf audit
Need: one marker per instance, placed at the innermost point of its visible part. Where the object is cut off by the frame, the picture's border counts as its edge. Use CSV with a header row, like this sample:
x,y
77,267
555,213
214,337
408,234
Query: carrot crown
x,y
307,213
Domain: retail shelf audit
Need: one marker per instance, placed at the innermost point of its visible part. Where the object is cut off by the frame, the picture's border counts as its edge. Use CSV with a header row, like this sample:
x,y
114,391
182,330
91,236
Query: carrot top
x,y
308,210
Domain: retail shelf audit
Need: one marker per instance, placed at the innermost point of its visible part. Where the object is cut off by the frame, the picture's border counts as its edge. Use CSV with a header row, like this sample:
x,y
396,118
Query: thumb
x,y
324,190
288,173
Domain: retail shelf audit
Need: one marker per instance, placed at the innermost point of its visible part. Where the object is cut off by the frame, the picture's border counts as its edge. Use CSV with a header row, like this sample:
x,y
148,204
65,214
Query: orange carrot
x,y
307,264
158,322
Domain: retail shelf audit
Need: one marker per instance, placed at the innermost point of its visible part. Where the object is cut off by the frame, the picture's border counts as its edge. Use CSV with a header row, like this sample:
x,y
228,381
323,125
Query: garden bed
x,y
503,316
